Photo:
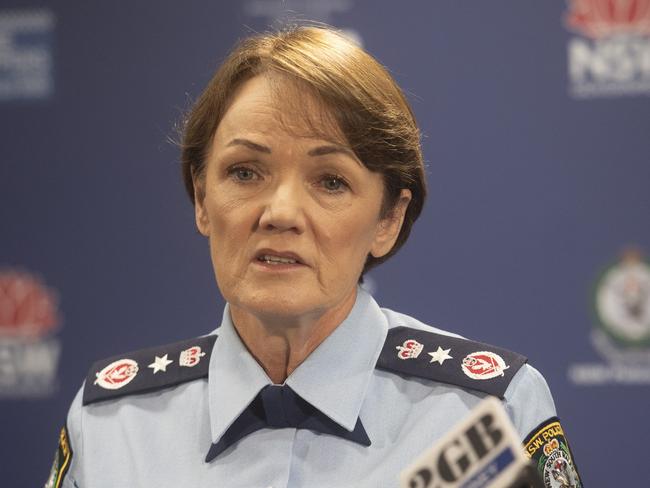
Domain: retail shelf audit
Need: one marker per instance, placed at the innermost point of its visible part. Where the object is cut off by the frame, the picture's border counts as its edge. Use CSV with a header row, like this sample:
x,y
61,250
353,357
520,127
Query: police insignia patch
x,y
62,458
548,448
190,357
448,359
117,374
126,374
484,365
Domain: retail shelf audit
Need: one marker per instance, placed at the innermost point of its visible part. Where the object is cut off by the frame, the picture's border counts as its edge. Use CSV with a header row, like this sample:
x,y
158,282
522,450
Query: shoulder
x,y
413,348
528,400
147,370
117,377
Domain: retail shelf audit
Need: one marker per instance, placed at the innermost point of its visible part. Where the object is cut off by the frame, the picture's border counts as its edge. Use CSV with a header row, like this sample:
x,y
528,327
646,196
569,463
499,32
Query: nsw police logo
x,y
622,300
621,303
550,453
117,374
483,365
559,472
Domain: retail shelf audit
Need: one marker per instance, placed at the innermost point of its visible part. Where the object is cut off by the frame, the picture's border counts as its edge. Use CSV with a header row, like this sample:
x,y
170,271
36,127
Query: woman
x,y
303,162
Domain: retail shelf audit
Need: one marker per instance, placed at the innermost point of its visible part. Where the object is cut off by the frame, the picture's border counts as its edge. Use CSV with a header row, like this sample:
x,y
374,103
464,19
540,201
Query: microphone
x,y
481,451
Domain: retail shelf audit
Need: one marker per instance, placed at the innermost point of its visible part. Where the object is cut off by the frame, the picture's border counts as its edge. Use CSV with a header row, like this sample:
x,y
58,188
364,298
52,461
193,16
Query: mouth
x,y
277,258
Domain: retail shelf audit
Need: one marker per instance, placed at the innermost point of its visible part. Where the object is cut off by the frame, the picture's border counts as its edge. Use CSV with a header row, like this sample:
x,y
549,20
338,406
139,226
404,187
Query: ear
x,y
200,212
388,228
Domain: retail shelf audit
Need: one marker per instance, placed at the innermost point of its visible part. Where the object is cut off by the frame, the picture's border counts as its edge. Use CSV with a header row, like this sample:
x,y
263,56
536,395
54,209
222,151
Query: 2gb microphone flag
x,y
483,450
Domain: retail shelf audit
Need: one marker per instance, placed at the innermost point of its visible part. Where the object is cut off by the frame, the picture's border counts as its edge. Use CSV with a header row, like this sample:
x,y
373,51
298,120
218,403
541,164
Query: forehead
x,y
268,104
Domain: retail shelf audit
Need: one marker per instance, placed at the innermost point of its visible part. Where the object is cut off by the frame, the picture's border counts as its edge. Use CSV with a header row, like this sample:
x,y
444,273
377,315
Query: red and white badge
x,y
117,374
190,357
410,349
483,365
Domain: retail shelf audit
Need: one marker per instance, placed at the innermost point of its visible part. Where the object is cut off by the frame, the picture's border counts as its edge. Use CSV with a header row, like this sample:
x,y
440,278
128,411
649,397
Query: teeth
x,y
276,259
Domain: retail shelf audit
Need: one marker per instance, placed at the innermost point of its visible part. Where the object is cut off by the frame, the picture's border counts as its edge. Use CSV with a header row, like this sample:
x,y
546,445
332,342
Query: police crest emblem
x,y
622,300
549,450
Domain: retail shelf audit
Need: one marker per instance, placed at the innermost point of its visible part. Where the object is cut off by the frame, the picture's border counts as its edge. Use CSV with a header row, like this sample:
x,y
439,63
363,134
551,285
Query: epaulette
x,y
148,370
450,360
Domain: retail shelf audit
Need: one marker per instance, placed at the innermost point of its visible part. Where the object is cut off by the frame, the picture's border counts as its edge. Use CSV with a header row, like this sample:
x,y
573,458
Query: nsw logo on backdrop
x,y
26,66
29,351
621,333
609,55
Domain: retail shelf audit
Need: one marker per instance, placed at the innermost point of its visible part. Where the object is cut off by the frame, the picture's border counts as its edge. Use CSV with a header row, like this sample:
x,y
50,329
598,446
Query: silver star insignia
x,y
160,364
441,355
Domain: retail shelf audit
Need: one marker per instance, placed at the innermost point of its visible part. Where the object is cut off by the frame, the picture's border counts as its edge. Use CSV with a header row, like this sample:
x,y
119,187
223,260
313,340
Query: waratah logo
x,y
29,351
28,309
606,18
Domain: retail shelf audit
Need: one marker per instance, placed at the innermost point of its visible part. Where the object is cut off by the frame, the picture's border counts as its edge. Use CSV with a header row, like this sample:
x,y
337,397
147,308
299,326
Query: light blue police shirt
x,y
161,438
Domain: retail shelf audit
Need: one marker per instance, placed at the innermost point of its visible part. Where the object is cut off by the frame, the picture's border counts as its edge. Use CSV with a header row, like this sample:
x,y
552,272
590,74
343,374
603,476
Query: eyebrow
x,y
331,149
250,145
316,151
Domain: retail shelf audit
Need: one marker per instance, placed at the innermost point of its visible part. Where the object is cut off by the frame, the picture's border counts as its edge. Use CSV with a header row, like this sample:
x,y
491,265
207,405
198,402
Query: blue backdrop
x,y
537,141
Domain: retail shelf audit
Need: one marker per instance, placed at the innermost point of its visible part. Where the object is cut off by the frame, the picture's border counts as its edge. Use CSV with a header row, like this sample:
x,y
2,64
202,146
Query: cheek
x,y
230,225
346,239
227,209
221,204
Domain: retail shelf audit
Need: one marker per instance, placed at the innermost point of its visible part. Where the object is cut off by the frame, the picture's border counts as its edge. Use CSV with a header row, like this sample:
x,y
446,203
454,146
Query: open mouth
x,y
270,259
277,258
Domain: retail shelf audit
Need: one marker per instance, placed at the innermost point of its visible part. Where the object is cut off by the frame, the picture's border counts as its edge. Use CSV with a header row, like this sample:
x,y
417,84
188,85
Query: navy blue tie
x,y
278,407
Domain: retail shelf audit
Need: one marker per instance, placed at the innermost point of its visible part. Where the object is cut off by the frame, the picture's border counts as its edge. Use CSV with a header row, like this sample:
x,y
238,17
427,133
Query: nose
x,y
284,210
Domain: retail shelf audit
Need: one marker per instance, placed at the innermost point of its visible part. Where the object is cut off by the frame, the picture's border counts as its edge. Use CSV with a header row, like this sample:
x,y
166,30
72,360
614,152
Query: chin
x,y
278,301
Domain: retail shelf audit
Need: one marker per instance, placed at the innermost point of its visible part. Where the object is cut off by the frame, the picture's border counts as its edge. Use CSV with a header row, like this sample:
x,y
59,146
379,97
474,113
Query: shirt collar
x,y
234,378
334,377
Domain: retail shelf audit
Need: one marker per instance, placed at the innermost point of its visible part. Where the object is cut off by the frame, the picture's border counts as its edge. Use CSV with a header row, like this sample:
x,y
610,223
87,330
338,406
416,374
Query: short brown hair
x,y
365,102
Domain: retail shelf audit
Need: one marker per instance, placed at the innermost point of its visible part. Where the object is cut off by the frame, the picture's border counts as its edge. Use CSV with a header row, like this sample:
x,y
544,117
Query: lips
x,y
273,257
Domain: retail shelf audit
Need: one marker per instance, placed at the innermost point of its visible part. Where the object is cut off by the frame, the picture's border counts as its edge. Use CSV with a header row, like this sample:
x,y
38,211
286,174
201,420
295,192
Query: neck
x,y
281,343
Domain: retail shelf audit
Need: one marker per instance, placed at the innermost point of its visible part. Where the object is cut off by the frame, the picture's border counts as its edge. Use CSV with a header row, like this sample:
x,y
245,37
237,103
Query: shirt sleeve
x,y
528,400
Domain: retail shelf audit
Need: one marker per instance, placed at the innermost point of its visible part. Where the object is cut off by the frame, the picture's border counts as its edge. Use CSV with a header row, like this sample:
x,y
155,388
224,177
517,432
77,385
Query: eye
x,y
242,173
333,183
